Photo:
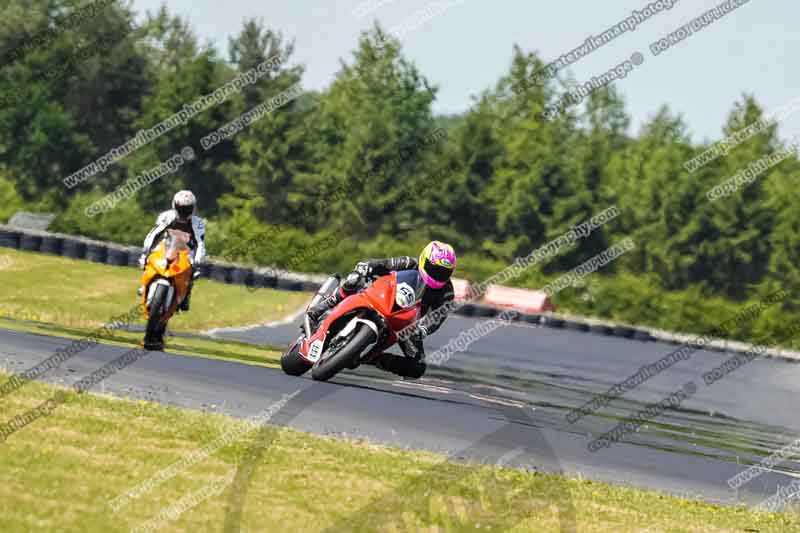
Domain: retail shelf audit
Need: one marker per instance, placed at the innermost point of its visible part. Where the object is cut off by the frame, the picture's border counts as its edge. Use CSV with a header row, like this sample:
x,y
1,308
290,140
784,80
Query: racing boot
x,y
406,367
184,306
315,312
369,359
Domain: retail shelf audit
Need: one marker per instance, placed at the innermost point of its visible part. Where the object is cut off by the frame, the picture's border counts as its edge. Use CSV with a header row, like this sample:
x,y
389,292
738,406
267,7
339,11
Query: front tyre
x,y
293,363
154,331
327,367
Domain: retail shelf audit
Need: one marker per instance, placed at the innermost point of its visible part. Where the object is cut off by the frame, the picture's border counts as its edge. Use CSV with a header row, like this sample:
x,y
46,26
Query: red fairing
x,y
380,296
381,293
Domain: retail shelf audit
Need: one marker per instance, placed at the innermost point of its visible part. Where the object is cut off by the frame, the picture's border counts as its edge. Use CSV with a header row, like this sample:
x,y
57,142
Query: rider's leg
x,y
411,365
184,306
350,285
401,365
329,302
142,265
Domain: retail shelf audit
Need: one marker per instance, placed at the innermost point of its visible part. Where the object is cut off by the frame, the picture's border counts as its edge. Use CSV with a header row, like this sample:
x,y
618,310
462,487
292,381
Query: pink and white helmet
x,y
437,263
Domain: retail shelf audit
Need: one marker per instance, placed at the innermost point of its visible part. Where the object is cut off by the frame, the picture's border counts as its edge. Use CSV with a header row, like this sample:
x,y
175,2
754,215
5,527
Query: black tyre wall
x,y
96,253
73,248
117,257
9,239
30,243
241,276
52,244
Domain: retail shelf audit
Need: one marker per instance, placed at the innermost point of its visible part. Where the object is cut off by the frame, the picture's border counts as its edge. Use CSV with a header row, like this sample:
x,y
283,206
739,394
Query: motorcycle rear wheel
x,y
327,367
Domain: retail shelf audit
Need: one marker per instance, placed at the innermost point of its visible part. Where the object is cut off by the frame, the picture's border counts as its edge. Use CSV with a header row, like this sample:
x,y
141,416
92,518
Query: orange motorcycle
x,y
166,279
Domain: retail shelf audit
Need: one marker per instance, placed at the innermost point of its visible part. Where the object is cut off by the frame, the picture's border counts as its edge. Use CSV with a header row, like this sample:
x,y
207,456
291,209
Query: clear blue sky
x,y
468,47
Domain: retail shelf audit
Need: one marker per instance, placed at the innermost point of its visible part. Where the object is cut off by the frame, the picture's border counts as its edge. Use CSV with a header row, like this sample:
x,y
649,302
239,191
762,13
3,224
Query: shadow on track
x,y
518,437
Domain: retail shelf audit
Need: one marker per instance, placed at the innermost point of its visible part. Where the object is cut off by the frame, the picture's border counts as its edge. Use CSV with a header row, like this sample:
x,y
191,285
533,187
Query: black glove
x,y
420,332
363,269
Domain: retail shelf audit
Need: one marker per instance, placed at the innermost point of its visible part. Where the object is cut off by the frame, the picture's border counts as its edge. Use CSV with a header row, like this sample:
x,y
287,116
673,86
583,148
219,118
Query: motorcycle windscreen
x,y
176,241
412,285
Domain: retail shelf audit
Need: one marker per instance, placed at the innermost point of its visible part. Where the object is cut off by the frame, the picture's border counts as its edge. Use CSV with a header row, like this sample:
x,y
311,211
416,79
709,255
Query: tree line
x,y
358,158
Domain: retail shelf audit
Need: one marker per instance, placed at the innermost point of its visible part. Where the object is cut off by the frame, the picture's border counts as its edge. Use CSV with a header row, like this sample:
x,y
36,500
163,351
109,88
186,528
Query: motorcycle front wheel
x,y
330,365
154,332
293,363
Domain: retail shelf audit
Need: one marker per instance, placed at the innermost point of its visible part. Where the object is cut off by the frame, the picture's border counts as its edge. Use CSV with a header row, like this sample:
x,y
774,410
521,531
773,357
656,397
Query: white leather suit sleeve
x,y
162,222
199,228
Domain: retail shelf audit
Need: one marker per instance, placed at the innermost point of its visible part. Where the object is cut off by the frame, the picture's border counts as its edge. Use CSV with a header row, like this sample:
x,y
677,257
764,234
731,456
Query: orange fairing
x,y
170,261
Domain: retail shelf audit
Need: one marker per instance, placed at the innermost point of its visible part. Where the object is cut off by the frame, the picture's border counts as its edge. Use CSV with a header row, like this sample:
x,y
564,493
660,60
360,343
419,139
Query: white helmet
x,y
183,202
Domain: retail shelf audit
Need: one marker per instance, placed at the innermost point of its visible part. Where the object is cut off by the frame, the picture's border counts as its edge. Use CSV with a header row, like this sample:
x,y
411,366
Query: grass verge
x,y
60,472
193,346
73,293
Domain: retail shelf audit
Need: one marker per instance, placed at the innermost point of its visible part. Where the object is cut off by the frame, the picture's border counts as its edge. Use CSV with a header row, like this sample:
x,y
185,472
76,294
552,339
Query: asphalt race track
x,y
539,372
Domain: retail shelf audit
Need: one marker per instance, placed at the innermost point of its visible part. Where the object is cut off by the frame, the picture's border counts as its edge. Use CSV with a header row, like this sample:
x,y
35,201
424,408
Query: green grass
x,y
71,299
82,294
60,472
193,346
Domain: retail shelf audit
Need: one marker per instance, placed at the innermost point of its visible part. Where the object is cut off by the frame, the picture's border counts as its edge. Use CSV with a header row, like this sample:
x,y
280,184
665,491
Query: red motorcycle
x,y
372,317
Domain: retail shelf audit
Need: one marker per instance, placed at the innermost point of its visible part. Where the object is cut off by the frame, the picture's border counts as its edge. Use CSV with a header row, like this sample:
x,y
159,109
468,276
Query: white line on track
x,y
282,322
